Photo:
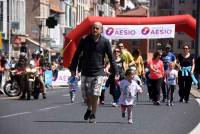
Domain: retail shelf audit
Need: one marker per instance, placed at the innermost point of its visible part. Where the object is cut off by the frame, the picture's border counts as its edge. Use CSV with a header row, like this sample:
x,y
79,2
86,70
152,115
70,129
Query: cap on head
x,y
133,68
168,46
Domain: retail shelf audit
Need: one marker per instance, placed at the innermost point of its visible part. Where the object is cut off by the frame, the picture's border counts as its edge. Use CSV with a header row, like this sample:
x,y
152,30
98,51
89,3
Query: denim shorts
x,y
91,85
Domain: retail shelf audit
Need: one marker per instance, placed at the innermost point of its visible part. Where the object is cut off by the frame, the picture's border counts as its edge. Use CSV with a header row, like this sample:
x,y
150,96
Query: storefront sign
x,y
48,77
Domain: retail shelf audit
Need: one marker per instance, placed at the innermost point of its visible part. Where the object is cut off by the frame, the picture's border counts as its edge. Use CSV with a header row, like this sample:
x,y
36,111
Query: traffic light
x,y
51,22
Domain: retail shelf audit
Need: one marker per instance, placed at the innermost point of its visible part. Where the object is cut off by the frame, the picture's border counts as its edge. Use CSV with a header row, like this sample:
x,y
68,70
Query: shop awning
x,y
43,45
56,9
55,6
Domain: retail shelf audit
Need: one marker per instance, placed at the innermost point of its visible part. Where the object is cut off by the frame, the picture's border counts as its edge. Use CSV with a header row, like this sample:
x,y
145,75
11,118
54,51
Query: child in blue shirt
x,y
172,80
73,87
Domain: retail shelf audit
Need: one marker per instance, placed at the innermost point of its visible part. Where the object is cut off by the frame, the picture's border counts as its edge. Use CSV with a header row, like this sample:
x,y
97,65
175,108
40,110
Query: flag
x,y
63,49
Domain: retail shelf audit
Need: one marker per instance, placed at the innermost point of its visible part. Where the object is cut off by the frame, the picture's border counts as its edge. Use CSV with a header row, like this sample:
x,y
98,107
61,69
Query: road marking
x,y
39,110
49,93
196,130
6,98
66,95
17,114
68,104
48,108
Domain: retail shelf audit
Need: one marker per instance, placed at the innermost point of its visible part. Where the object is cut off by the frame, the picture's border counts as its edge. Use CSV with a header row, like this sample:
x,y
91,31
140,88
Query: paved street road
x,y
56,115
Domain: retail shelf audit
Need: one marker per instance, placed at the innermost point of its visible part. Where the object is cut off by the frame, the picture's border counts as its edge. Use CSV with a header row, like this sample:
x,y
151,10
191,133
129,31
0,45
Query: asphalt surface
x,y
56,115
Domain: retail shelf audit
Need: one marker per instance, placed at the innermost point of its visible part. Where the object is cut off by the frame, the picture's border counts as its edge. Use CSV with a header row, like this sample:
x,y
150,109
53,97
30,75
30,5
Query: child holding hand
x,y
73,87
172,81
129,88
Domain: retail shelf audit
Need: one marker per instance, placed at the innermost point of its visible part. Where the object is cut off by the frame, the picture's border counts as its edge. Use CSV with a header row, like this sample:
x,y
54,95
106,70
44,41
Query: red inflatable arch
x,y
183,23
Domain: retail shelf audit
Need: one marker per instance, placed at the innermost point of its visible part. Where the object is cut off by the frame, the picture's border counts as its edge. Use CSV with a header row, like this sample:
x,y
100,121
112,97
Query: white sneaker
x,y
130,121
114,104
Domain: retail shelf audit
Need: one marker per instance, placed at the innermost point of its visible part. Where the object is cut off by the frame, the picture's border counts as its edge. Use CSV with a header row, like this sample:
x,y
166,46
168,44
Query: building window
x,y
172,4
101,13
194,13
151,1
181,1
192,44
181,12
68,16
1,15
122,3
180,42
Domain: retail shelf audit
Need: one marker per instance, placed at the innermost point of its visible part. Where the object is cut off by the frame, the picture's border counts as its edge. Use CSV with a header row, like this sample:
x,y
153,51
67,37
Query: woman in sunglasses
x,y
114,85
187,64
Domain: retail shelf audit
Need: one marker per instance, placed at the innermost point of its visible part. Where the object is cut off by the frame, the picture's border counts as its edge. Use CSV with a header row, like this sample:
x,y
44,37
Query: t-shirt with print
x,y
157,65
128,92
167,58
171,77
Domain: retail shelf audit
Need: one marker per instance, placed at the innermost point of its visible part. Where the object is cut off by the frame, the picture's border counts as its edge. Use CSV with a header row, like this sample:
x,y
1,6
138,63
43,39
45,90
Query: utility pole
x,y
197,49
40,31
40,20
9,29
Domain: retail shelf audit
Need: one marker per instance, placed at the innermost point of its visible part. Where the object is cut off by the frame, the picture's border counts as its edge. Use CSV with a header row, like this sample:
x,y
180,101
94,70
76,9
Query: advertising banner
x,y
48,77
62,79
139,31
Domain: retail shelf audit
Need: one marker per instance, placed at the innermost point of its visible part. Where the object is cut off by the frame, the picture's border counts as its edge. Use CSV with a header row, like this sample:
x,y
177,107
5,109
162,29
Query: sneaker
x,y
181,100
72,100
44,96
114,104
72,97
102,102
164,100
87,114
156,102
130,121
123,115
168,103
92,118
171,104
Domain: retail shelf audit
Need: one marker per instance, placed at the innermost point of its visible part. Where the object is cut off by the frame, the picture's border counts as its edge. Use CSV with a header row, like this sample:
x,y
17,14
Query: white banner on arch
x,y
139,31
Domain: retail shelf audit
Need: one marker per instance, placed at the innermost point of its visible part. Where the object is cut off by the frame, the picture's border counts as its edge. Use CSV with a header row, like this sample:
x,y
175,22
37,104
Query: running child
x,y
129,88
73,87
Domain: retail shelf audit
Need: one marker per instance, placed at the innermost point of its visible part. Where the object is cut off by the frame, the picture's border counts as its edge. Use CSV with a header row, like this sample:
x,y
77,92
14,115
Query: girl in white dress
x,y
129,88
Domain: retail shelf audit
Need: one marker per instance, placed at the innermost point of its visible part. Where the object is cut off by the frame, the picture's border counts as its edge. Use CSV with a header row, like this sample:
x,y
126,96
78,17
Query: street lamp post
x,y
40,30
40,20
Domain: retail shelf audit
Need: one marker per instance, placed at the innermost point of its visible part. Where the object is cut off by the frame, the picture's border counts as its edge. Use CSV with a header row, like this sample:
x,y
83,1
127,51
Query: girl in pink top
x,y
156,76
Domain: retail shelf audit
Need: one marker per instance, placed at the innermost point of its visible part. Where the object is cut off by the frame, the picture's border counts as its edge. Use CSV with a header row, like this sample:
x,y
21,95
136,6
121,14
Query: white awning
x,y
43,45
